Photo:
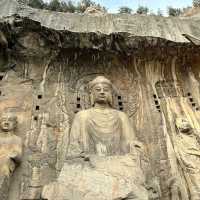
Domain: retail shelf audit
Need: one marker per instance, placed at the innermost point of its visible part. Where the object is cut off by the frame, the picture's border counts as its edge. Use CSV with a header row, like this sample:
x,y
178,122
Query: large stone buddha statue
x,y
101,129
102,162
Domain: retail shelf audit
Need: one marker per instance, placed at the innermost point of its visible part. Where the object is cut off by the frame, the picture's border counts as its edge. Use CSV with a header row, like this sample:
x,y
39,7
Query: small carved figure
x,y
187,148
10,150
10,144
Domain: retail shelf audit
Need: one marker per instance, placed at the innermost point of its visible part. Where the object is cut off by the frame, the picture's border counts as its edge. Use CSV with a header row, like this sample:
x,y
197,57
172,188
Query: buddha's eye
x,y
98,89
106,89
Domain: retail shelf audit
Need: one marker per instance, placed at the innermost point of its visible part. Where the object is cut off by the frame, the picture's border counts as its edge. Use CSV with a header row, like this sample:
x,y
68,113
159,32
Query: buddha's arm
x,y
129,136
75,147
16,153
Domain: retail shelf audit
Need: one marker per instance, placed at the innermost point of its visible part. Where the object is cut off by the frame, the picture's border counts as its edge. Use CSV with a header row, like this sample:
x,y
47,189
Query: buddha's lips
x,y
102,97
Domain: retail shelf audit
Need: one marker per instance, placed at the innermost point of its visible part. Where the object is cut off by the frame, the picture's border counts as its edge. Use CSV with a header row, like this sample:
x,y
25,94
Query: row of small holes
x,y
120,103
156,102
78,105
192,100
37,107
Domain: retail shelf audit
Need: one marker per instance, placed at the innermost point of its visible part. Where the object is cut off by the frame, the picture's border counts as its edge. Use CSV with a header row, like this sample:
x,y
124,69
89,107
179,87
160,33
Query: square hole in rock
x,y
158,107
35,118
37,108
191,99
39,96
119,97
155,96
120,103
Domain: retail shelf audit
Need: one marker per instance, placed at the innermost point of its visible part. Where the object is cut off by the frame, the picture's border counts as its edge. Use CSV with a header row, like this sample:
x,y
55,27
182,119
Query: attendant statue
x,y
10,150
102,161
187,148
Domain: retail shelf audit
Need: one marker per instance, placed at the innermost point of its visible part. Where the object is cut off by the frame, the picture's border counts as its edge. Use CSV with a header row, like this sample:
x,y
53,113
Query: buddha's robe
x,y
103,132
107,138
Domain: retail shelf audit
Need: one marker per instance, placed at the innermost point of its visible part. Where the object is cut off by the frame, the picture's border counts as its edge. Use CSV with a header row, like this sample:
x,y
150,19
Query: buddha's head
x,y
8,122
101,91
183,125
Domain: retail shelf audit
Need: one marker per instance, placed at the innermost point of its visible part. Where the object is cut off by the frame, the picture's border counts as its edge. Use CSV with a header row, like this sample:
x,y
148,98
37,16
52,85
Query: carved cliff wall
x,y
43,79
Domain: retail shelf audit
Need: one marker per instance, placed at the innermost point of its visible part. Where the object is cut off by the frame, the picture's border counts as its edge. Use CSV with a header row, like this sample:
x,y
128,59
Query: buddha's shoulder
x,y
87,112
122,115
82,113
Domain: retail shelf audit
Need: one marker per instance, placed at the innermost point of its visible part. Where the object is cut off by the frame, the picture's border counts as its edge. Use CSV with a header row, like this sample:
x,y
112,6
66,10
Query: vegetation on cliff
x,y
80,7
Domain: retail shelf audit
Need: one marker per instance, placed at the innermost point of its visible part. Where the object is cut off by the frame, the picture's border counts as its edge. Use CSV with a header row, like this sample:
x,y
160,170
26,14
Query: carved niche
x,y
169,88
125,98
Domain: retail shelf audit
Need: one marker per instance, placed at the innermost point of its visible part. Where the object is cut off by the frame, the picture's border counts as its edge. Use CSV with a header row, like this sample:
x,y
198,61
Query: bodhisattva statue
x,y
187,147
102,160
10,150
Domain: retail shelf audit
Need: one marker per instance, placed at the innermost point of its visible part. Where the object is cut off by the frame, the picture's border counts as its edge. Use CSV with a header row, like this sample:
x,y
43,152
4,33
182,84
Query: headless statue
x,y
187,147
10,151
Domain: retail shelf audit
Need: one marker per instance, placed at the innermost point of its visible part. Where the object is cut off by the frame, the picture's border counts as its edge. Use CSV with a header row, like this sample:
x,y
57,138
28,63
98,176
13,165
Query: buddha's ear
x,y
91,99
110,99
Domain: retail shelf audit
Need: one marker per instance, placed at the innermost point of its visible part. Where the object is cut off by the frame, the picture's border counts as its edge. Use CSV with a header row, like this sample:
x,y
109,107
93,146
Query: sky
x,y
153,5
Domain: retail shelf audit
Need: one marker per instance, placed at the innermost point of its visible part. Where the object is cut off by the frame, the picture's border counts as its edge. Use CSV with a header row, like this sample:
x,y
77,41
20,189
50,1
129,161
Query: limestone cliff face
x,y
46,61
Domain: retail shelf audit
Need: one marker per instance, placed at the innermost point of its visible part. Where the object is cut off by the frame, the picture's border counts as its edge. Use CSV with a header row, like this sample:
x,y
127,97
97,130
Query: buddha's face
x,y
8,123
183,125
102,93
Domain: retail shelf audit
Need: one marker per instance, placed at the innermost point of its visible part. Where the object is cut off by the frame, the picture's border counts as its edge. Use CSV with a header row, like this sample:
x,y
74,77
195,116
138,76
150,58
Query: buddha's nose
x,y
102,92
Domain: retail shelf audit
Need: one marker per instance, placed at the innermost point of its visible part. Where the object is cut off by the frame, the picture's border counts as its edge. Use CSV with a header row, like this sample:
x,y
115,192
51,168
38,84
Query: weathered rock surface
x,y
100,178
170,28
46,62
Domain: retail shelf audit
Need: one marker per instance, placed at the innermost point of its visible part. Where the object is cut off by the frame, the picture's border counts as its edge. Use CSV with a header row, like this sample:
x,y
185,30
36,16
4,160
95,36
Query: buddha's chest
x,y
104,127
